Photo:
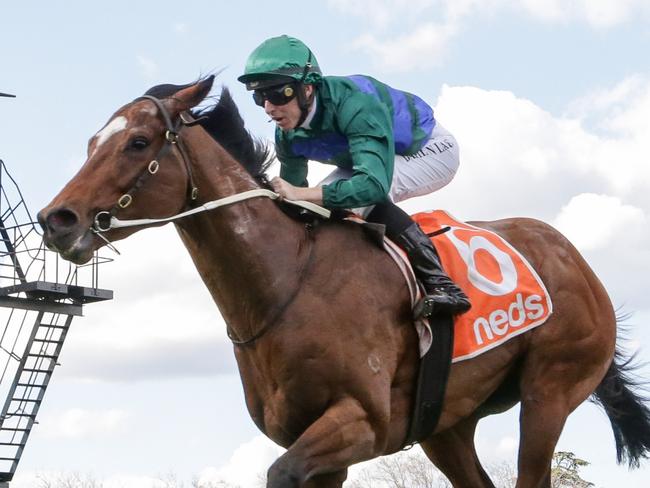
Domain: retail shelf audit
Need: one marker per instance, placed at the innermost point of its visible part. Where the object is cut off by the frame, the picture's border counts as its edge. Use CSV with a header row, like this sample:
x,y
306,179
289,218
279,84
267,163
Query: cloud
x,y
380,13
162,322
180,28
597,13
507,447
148,67
400,39
78,423
527,161
154,359
420,49
593,221
247,465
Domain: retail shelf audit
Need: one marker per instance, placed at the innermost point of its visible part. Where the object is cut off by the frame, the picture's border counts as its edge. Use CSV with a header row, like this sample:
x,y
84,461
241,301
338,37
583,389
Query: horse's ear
x,y
191,96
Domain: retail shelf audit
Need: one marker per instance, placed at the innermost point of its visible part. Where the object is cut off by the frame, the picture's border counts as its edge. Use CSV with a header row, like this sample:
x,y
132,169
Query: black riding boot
x,y
443,295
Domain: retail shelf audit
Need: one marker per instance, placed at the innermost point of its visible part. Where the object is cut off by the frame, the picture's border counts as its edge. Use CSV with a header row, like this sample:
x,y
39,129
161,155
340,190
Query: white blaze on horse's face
x,y
116,125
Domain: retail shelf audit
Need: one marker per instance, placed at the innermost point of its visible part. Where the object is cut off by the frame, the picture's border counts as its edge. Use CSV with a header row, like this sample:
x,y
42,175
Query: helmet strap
x,y
304,102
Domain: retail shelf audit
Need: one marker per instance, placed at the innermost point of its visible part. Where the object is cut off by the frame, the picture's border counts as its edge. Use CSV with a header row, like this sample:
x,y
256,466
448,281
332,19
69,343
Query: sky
x,y
549,101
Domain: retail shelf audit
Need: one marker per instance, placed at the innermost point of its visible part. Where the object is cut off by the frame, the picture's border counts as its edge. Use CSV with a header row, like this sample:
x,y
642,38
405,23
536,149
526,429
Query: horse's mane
x,y
224,124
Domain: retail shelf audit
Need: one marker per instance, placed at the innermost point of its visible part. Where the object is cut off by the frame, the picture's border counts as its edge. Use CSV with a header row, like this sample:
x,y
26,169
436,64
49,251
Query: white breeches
x,y
426,171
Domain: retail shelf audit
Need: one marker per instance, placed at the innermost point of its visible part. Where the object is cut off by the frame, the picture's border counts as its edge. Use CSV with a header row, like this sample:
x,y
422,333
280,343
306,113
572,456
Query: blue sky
x,y
549,100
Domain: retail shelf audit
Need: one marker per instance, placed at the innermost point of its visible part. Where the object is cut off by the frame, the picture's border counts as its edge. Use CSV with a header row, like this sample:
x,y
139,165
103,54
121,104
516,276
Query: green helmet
x,y
280,60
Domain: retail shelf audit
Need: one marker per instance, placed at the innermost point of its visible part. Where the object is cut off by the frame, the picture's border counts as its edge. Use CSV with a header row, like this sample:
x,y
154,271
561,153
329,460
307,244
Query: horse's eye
x,y
138,143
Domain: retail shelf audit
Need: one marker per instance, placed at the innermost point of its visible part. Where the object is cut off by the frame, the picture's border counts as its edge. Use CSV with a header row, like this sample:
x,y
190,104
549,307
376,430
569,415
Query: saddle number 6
x,y
467,251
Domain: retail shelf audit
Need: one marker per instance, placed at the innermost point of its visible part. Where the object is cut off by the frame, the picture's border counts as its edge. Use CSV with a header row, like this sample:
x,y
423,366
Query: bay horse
x,y
321,318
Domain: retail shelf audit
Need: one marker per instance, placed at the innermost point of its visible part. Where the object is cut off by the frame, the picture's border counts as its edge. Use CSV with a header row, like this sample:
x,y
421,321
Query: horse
x,y
320,317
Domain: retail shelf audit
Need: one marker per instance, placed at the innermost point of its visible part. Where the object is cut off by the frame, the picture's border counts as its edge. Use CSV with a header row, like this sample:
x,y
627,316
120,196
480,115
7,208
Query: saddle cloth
x,y
508,297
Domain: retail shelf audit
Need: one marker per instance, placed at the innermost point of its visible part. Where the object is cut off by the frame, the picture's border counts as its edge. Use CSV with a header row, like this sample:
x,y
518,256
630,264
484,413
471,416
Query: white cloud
x,y
528,161
423,30
508,446
380,13
597,13
148,67
247,465
593,221
161,323
181,28
79,423
420,49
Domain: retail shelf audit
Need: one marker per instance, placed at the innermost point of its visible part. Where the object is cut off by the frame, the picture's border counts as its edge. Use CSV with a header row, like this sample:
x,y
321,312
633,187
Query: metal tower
x,y
39,296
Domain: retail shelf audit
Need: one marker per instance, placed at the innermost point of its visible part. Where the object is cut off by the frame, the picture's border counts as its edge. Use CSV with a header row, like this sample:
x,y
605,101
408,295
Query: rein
x,y
115,223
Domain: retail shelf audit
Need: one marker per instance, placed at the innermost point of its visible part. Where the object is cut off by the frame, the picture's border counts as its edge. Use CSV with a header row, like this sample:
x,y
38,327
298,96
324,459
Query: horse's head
x,y
133,162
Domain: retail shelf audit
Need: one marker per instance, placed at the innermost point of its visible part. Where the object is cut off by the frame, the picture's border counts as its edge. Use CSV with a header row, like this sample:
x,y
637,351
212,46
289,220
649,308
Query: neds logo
x,y
499,321
501,283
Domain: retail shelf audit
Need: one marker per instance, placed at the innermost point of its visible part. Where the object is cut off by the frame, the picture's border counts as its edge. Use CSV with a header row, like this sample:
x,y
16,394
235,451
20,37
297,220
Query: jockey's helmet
x,y
280,60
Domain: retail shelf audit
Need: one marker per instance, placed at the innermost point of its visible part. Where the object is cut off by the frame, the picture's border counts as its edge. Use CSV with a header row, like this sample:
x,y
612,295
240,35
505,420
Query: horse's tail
x,y
627,410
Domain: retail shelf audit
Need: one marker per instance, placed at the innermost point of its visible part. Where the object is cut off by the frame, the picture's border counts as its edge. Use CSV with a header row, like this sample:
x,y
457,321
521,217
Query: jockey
x,y
386,143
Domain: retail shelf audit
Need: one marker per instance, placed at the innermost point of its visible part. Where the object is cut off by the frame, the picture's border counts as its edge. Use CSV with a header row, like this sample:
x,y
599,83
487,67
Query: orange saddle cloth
x,y
508,297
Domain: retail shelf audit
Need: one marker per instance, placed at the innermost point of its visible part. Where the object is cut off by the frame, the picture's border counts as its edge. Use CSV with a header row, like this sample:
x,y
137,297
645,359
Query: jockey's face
x,y
287,116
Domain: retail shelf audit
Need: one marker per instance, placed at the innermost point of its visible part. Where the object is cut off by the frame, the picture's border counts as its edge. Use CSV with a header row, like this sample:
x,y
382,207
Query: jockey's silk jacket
x,y
359,124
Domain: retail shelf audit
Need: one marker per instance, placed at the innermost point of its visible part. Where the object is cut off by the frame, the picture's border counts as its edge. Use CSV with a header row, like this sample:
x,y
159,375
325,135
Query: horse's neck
x,y
249,254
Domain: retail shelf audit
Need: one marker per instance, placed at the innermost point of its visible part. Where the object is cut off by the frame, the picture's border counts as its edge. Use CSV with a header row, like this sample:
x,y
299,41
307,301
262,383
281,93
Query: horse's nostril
x,y
60,220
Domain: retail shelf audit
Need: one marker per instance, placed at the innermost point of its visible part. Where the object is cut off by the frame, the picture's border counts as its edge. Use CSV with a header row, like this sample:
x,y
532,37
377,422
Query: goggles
x,y
277,95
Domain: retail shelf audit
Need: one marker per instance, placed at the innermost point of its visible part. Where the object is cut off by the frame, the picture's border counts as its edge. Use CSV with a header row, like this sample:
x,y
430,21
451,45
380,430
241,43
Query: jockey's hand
x,y
287,191
284,188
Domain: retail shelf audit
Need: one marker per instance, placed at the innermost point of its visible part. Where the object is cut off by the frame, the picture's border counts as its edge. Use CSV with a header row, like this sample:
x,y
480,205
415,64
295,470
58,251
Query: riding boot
x,y
443,295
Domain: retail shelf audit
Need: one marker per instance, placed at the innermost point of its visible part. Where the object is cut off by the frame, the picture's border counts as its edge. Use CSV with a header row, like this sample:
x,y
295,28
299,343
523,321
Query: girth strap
x,y
432,380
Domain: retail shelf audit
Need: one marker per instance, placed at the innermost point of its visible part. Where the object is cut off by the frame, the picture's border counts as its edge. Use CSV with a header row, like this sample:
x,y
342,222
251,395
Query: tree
x,y
68,480
564,471
410,469
503,475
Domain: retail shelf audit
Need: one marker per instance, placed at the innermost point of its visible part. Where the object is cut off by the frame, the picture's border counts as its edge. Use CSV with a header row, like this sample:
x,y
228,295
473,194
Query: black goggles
x,y
277,95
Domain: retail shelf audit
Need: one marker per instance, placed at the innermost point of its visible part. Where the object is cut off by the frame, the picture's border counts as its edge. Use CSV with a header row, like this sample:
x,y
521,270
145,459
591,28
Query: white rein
x,y
116,223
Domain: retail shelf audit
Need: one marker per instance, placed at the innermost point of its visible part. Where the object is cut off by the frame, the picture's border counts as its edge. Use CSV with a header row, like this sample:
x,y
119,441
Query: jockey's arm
x,y
292,182
290,192
367,126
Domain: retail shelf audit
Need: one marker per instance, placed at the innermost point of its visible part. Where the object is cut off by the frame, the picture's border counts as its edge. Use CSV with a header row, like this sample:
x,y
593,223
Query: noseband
x,y
172,139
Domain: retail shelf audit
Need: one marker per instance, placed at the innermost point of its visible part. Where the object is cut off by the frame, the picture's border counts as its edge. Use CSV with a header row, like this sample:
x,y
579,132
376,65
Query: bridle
x,y
102,222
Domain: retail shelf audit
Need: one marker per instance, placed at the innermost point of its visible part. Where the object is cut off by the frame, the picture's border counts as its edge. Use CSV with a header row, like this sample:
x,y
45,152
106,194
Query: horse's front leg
x,y
344,435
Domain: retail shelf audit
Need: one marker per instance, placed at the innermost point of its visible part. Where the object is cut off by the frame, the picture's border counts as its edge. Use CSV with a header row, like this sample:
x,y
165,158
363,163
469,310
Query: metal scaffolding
x,y
39,296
